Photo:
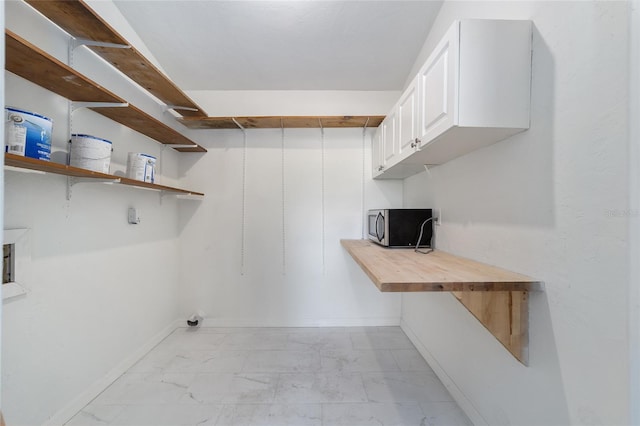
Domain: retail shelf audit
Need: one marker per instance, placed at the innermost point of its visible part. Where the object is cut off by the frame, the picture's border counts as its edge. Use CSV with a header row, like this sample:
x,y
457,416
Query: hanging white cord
x,y
244,193
244,197
69,128
284,239
322,167
364,147
70,104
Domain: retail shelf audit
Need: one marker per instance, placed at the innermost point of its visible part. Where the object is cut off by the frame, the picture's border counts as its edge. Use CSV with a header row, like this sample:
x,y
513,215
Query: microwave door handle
x,y
378,236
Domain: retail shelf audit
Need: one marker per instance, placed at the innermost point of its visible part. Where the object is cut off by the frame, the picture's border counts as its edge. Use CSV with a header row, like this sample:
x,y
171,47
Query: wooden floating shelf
x,y
80,21
61,169
287,122
496,297
30,62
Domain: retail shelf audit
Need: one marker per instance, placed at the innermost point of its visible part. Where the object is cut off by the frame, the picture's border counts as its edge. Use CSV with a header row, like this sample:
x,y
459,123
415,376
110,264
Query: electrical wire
x,y
362,180
420,238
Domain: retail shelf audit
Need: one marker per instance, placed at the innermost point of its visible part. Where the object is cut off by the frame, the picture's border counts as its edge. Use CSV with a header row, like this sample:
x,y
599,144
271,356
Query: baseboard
x,y
461,399
66,413
333,322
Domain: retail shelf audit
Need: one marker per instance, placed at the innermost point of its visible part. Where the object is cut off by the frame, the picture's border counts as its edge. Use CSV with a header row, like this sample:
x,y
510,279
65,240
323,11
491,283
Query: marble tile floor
x,y
353,376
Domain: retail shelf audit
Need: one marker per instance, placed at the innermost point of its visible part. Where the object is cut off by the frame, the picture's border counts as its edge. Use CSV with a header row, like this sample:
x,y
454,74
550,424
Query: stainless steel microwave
x,y
400,227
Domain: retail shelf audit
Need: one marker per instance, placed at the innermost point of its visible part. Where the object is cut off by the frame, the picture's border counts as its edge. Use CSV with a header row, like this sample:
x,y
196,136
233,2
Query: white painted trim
x,y
634,208
12,290
12,236
339,322
66,413
461,399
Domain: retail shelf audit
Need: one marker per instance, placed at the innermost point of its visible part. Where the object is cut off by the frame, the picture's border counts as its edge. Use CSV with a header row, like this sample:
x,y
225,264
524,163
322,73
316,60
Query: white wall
x,y
100,291
302,276
551,203
634,209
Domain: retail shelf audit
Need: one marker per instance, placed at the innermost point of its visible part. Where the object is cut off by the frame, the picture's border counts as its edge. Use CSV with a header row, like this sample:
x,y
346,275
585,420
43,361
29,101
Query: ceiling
x,y
283,45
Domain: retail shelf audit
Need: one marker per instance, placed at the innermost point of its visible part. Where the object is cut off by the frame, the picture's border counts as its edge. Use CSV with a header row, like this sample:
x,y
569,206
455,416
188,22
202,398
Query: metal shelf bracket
x,y
178,146
164,194
78,105
71,181
77,42
240,126
168,107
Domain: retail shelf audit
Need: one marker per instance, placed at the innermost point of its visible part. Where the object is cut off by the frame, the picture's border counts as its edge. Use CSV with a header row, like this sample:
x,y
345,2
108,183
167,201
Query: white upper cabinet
x,y
472,91
439,87
389,138
376,153
408,120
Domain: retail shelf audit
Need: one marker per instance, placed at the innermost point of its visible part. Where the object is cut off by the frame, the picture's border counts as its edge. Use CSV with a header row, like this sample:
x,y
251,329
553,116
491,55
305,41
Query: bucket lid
x,y
22,111
77,135
142,155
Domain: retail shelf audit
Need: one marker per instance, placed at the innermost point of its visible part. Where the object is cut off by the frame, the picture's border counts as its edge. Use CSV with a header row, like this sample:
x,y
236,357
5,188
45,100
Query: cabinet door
x,y
376,152
389,138
408,120
438,81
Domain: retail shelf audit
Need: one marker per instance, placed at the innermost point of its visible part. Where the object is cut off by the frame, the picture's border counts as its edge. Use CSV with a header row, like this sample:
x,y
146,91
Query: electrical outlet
x,y
437,213
133,216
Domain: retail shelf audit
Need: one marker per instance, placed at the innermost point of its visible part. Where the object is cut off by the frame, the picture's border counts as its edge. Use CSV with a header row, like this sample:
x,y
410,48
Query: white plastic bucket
x,y
141,167
90,153
27,134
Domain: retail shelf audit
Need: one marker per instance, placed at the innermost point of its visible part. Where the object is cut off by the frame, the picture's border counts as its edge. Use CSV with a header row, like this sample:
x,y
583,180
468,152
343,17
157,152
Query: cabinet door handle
x,y
415,143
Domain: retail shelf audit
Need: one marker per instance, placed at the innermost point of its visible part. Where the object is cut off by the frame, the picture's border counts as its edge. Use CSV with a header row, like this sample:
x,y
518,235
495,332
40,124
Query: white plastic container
x,y
27,134
141,167
90,153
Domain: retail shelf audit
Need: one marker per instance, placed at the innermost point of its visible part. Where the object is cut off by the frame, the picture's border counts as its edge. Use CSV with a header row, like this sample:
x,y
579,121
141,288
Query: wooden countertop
x,y
402,270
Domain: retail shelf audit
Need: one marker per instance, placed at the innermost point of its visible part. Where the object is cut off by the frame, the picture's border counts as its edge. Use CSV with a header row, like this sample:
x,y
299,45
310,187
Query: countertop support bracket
x,y
498,298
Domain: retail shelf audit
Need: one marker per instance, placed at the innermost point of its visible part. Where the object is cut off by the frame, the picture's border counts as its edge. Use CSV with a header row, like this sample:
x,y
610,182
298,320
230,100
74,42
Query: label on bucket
x,y
141,167
27,134
16,136
90,153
